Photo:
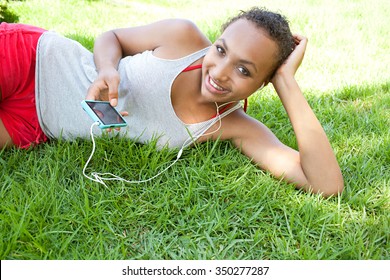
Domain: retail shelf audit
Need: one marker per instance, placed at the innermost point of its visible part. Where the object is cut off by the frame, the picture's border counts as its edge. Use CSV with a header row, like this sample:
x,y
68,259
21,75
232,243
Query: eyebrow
x,y
244,61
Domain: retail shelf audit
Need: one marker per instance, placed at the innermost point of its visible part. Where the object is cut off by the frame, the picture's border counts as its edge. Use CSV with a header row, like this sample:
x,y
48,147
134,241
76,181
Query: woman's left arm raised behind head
x,y
316,156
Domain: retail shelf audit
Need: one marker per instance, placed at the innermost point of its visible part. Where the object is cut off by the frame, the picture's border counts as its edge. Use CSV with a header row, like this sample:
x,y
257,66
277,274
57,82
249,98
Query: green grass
x,y
214,204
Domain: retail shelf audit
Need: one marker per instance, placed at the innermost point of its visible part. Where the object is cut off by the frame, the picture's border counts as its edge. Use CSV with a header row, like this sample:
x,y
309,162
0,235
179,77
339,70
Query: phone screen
x,y
106,113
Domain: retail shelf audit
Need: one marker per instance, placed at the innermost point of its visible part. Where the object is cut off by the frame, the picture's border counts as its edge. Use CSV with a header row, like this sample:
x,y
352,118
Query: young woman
x,y
170,82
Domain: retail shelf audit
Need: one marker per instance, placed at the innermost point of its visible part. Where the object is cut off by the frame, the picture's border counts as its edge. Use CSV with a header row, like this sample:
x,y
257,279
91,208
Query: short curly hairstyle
x,y
276,25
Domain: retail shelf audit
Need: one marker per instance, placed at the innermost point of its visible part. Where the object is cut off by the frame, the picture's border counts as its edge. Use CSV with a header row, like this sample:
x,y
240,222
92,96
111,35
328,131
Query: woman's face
x,y
238,63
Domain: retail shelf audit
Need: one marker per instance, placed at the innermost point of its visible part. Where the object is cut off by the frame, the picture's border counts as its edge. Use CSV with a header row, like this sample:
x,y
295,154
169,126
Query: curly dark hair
x,y
276,25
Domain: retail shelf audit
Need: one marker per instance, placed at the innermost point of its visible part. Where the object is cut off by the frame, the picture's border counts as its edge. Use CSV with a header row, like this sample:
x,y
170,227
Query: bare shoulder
x,y
182,37
187,31
240,127
169,38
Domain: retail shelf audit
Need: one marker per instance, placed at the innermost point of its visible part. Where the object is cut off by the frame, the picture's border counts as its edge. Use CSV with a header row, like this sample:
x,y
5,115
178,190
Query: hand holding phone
x,y
105,87
103,113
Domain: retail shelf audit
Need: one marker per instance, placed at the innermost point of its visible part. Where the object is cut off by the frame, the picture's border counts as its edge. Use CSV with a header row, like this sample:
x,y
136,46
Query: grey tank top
x,y
65,70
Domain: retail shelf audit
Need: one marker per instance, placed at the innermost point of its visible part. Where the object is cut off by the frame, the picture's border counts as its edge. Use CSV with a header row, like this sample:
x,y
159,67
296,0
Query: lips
x,y
214,87
214,84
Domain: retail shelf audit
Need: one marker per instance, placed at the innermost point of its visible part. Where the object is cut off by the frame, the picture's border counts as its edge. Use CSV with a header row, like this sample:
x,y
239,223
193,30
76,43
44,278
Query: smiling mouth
x,y
215,87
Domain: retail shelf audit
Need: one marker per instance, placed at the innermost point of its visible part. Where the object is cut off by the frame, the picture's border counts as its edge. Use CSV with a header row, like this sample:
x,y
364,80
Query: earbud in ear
x,y
262,86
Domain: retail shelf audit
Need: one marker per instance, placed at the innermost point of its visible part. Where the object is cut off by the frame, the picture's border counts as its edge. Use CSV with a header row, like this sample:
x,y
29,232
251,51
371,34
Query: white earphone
x,y
261,86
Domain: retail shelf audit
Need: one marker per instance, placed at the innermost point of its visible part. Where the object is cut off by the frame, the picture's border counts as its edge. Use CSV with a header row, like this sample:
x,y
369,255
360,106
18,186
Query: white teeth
x,y
215,85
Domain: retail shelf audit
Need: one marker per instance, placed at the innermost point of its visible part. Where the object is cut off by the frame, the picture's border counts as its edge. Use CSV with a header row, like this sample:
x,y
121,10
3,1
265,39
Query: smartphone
x,y
103,113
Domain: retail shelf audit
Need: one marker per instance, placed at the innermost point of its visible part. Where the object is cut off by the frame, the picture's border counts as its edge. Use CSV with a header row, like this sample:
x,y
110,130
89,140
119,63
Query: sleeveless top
x,y
65,70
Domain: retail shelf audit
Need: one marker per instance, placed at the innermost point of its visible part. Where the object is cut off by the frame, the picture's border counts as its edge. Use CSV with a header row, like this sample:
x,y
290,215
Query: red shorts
x,y
18,113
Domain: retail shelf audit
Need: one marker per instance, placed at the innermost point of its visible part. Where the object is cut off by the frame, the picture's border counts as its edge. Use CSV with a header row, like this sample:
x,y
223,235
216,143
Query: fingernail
x,y
114,102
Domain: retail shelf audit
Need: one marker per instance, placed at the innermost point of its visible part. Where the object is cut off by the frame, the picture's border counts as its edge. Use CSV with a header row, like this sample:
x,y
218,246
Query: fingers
x,y
292,63
299,40
95,89
113,93
299,50
112,84
105,87
298,37
112,81
123,114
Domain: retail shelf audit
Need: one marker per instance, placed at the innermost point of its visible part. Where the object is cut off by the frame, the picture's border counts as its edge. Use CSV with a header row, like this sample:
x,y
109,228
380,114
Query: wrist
x,y
283,82
107,70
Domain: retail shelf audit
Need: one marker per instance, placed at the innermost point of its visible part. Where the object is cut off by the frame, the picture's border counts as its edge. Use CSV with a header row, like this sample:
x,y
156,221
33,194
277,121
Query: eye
x,y
244,71
220,49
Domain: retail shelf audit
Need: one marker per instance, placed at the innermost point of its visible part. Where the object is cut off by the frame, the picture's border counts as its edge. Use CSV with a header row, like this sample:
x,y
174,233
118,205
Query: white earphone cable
x,y
101,177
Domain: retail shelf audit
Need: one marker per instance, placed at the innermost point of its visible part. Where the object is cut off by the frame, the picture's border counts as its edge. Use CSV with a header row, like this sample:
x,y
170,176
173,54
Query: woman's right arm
x,y
107,53
177,37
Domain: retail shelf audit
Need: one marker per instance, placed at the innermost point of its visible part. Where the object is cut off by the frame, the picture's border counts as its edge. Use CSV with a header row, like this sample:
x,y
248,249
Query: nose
x,y
221,72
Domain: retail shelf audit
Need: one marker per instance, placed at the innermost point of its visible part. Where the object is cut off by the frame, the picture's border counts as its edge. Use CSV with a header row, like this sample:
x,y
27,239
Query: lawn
x,y
214,203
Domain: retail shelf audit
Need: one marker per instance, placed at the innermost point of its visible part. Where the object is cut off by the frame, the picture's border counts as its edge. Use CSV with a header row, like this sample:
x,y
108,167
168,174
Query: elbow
x,y
337,186
333,188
